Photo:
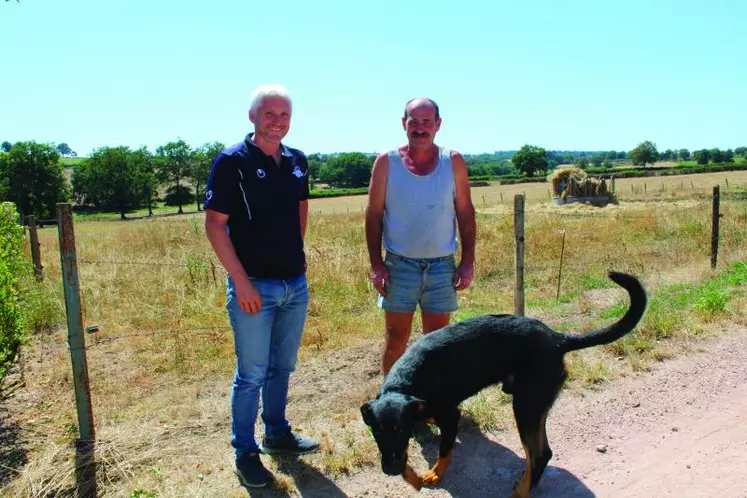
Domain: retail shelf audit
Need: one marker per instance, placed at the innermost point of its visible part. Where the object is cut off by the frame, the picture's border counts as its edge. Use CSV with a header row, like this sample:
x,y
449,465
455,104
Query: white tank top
x,y
419,214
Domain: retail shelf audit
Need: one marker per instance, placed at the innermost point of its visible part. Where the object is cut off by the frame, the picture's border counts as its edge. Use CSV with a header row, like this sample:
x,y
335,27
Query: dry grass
x,y
161,364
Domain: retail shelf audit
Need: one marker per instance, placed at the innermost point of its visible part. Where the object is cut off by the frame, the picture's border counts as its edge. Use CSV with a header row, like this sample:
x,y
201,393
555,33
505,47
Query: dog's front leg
x,y
448,425
412,477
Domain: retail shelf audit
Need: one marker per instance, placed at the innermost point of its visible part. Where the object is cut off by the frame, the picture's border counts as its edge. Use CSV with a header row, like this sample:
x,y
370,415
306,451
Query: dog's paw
x,y
431,478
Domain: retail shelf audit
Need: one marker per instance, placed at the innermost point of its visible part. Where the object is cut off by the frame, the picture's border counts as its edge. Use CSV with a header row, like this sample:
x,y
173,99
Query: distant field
x,y
69,162
634,189
627,189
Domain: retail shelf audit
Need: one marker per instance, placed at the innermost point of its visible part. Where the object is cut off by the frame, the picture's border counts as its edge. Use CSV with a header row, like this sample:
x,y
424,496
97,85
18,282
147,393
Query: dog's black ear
x,y
366,412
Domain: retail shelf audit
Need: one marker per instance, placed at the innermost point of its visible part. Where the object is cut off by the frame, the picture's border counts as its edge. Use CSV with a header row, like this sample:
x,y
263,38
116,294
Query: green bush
x,y
337,192
12,266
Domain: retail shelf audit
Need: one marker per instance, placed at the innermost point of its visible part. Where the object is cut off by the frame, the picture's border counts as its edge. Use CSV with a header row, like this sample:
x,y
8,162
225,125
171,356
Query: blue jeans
x,y
425,282
266,350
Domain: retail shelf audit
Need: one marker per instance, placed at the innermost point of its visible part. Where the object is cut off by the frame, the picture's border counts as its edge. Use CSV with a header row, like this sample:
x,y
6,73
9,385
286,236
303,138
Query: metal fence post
x,y
519,238
714,226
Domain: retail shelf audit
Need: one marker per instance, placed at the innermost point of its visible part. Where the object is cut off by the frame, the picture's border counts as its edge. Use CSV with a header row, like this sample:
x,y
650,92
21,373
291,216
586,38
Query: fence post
x,y
714,226
519,237
76,340
85,464
560,266
34,241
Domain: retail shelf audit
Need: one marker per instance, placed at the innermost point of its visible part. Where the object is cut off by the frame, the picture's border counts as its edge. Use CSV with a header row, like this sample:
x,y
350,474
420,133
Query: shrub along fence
x,y
12,263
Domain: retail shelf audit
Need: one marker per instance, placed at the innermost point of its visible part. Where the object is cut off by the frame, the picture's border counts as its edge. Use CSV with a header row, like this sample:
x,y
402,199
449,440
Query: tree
x,y
622,154
607,163
109,180
721,156
349,169
596,160
581,163
173,164
702,156
315,162
65,150
643,154
530,159
684,154
6,146
33,179
147,184
739,151
200,167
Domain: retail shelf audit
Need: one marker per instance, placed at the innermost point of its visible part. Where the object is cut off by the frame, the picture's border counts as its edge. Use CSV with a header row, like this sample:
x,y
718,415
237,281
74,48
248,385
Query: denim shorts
x,y
425,282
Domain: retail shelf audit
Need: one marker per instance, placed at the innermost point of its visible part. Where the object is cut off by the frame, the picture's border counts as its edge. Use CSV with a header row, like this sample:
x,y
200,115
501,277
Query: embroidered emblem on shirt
x,y
209,194
297,172
261,173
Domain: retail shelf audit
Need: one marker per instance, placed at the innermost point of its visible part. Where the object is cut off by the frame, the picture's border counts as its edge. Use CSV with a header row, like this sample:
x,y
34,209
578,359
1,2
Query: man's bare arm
x,y
215,229
465,213
303,208
375,220
375,208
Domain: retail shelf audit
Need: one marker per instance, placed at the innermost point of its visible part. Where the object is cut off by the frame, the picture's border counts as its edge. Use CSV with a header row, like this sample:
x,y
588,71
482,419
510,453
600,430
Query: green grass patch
x,y
675,311
159,210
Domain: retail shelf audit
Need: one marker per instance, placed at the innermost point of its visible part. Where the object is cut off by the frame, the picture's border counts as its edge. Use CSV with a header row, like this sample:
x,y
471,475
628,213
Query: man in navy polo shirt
x,y
256,209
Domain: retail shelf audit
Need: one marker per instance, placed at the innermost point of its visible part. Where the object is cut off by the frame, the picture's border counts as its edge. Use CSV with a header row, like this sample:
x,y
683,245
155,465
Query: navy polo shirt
x,y
261,199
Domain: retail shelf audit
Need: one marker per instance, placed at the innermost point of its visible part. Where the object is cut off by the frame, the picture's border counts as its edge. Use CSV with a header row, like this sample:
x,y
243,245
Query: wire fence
x,y
206,269
176,337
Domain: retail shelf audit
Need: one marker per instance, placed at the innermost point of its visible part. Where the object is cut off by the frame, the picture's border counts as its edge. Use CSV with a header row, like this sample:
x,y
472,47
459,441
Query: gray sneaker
x,y
289,444
251,472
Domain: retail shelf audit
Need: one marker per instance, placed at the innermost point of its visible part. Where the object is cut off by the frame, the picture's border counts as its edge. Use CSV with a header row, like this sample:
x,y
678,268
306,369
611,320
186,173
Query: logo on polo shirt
x,y
297,172
209,194
261,173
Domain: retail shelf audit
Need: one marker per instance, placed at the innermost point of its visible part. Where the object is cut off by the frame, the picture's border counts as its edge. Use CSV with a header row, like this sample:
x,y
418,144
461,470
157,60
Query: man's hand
x,y
463,276
380,278
247,295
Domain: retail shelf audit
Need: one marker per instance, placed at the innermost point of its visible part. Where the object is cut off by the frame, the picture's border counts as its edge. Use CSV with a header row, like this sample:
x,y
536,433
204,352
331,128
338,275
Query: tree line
x,y
122,179
531,159
117,179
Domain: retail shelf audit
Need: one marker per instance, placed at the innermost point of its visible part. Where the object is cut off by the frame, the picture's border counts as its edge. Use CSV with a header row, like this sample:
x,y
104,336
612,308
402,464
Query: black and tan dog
x,y
449,365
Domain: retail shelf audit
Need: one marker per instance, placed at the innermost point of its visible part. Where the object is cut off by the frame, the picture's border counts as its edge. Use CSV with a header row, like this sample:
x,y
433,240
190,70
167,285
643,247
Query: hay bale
x,y
562,178
574,185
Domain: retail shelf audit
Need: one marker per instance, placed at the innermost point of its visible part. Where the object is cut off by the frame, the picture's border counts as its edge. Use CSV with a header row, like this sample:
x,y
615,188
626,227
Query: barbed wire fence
x,y
210,270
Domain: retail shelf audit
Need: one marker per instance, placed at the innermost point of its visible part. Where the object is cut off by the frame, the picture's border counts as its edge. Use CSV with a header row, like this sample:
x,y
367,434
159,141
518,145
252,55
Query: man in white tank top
x,y
419,195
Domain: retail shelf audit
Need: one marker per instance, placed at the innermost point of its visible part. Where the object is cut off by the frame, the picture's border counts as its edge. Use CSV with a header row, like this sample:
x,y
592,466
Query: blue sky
x,y
585,75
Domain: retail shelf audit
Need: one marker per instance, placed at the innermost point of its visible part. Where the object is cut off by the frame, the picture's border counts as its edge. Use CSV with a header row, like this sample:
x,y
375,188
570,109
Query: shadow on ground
x,y
308,481
481,467
13,454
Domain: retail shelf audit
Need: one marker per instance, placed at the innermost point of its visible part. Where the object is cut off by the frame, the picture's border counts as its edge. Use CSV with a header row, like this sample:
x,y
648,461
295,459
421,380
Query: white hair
x,y
267,90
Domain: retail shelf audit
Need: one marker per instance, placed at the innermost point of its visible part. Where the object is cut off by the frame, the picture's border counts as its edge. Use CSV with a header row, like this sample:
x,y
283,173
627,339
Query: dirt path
x,y
679,430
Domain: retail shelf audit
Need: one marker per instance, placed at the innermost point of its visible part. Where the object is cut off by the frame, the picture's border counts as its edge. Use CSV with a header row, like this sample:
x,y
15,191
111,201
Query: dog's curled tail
x,y
618,329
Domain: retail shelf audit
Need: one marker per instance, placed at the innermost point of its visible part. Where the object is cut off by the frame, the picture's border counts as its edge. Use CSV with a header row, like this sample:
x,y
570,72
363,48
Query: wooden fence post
x,y
519,238
714,226
85,464
34,241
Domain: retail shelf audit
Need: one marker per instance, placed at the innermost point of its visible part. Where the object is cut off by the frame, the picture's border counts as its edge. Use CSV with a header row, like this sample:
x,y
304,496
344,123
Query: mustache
x,y
420,134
